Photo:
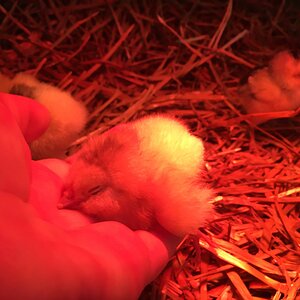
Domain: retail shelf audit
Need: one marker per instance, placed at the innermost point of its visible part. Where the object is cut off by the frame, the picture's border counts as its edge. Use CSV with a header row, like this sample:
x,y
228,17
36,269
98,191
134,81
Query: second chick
x,y
68,116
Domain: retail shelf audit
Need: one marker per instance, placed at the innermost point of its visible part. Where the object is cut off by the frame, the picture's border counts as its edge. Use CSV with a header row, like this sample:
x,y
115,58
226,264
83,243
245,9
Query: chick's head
x,y
100,185
104,160
83,182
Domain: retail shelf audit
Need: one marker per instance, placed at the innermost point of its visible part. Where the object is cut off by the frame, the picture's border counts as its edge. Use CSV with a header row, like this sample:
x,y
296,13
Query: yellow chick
x,y
275,88
141,173
68,116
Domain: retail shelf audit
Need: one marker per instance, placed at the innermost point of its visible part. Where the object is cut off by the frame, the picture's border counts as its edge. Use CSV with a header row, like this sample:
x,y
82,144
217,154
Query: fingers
x,y
57,166
161,246
20,117
14,156
32,118
134,258
121,253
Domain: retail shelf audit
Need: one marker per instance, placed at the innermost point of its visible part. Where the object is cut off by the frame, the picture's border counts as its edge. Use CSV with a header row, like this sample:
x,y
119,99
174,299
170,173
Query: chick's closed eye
x,y
95,190
72,196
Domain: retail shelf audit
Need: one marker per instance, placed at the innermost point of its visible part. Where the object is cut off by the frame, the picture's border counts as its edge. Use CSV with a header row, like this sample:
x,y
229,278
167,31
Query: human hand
x,y
48,253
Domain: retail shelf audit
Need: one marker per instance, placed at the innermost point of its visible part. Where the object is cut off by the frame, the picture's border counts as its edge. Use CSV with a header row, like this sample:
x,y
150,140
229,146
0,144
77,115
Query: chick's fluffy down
x,y
68,116
268,95
275,88
285,69
152,170
26,80
174,159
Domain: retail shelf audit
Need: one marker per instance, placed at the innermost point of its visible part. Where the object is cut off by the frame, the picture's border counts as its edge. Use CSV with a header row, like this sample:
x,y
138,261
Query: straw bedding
x,y
125,59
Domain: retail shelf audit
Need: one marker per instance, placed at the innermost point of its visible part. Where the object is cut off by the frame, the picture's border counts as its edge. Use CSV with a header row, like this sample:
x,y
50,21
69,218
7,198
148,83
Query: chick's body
x,y
140,173
67,116
268,96
274,88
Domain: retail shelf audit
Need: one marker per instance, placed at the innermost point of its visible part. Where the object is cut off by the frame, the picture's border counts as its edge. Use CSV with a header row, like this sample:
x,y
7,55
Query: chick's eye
x,y
95,190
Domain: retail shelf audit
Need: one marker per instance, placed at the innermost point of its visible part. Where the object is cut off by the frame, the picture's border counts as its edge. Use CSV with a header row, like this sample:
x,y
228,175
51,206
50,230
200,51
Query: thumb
x,y
21,119
31,117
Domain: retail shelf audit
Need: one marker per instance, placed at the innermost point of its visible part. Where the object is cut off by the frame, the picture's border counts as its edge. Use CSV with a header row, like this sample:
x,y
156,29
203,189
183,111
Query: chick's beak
x,y
67,200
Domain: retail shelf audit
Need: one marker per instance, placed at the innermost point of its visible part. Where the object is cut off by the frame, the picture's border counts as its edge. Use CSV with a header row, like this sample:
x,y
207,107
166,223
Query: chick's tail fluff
x,y
185,212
